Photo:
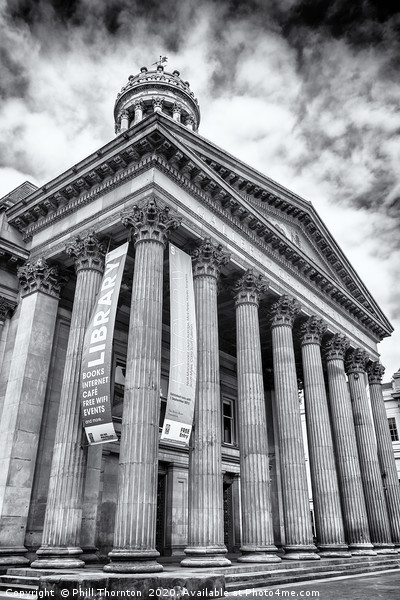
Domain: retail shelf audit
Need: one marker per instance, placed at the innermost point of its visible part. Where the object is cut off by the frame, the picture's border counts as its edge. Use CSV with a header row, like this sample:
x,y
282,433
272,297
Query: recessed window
x,y
228,423
394,434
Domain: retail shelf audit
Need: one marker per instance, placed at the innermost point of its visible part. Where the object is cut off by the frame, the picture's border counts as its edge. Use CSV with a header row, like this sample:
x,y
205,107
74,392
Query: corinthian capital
x,y
6,307
284,311
356,361
375,372
336,346
249,288
208,258
38,276
88,251
312,330
150,221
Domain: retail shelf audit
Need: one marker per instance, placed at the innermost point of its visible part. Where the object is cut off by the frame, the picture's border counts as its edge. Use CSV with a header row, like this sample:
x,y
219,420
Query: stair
x,y
291,572
27,587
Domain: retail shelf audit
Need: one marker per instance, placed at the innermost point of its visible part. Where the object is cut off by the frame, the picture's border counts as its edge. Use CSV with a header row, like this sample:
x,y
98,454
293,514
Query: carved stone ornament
x,y
38,276
6,307
375,372
208,258
88,251
177,108
151,220
356,361
312,330
248,289
157,103
138,104
336,347
124,114
284,311
189,121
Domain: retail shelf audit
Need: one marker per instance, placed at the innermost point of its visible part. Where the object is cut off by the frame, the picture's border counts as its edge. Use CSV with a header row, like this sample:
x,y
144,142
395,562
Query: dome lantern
x,y
156,91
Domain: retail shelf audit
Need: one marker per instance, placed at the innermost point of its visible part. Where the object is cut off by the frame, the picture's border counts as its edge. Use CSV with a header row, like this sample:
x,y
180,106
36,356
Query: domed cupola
x,y
156,91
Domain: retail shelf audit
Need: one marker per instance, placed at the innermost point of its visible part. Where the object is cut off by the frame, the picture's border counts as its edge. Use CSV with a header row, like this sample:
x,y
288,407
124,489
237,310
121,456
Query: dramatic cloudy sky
x,y
306,91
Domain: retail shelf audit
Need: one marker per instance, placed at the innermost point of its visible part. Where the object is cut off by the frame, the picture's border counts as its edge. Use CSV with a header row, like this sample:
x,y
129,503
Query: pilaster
x,y
299,541
23,404
60,547
134,550
326,498
379,527
206,546
385,449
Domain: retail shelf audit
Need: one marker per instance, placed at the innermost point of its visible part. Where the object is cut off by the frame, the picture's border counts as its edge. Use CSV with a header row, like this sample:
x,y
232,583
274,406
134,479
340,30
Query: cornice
x,y
222,192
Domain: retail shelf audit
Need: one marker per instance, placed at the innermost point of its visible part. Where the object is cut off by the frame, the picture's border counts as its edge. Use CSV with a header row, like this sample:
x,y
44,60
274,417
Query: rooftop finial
x,y
161,61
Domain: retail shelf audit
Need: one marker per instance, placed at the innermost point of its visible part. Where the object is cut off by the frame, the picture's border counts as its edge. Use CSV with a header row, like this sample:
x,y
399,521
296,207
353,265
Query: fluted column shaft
x,y
298,532
385,450
206,513
348,467
257,529
368,454
326,498
62,524
135,524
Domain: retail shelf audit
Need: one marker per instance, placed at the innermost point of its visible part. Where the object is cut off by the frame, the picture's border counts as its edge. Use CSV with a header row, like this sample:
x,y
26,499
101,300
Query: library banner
x,y
96,365
183,350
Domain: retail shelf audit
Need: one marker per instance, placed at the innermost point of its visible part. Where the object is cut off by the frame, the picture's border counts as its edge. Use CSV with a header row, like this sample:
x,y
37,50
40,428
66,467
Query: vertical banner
x,y
97,353
183,360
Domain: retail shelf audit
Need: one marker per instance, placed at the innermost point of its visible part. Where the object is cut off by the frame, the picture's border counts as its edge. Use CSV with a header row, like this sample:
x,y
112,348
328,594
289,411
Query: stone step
x,y
284,576
18,587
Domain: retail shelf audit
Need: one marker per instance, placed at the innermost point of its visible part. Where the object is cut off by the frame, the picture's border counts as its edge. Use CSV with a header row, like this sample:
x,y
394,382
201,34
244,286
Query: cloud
x,y
305,91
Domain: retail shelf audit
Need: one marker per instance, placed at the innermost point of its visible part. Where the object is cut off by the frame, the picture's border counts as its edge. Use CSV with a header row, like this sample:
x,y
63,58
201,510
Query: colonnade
x,y
356,512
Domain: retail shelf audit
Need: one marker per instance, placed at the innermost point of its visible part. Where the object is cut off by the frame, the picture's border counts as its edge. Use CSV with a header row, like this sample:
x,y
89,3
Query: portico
x,y
276,304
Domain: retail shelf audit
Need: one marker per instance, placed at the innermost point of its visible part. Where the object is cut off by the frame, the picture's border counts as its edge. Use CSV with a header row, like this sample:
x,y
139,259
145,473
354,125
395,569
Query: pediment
x,y
287,223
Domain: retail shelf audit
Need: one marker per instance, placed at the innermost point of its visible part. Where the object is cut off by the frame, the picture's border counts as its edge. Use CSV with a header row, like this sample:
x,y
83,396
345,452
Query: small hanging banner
x,y
97,353
183,353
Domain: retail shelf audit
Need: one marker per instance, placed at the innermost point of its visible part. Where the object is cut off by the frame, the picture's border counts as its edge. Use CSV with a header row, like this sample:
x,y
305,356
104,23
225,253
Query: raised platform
x,y
177,582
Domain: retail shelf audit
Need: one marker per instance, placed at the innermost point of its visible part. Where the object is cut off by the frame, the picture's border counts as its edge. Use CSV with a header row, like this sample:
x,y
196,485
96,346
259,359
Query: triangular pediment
x,y
287,223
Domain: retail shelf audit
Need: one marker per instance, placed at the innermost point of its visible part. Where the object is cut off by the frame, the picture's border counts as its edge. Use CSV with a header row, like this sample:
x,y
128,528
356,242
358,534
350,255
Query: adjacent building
x,y
279,308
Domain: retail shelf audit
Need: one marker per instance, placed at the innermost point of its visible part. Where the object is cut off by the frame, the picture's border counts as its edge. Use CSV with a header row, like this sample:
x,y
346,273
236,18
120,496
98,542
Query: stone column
x,y
135,526
367,452
206,546
60,547
385,449
298,531
23,404
7,306
326,498
257,530
138,106
348,467
177,111
124,121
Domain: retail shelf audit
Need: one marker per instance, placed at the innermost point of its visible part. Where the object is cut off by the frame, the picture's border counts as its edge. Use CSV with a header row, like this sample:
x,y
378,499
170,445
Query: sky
x,y
305,91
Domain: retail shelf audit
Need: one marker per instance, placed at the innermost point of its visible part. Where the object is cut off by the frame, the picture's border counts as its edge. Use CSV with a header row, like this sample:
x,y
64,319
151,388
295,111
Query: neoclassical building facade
x,y
278,309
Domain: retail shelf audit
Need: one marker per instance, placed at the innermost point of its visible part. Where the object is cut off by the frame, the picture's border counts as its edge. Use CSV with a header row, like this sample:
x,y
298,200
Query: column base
x,y
385,549
205,557
362,550
334,551
90,555
58,558
131,561
13,557
301,553
258,554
